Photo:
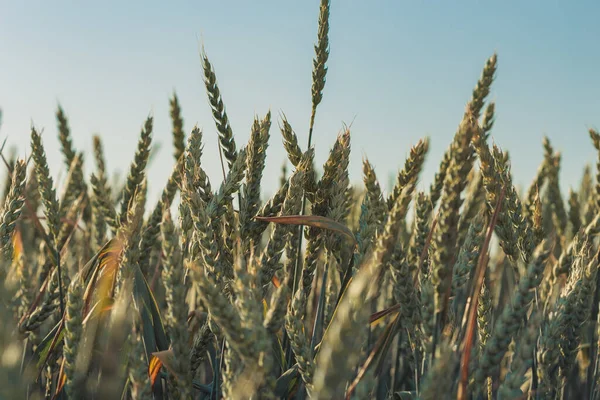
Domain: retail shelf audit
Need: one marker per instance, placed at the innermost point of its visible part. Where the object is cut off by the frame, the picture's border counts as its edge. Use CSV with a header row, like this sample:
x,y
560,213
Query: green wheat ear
x,y
215,100
12,209
46,184
137,170
178,132
320,60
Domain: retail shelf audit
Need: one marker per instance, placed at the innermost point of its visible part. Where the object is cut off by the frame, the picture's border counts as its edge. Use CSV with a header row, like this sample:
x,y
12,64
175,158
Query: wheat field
x,y
326,290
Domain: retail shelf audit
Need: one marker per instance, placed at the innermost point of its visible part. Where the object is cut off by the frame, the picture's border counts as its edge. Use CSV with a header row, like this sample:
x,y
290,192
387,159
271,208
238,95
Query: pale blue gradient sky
x,y
399,69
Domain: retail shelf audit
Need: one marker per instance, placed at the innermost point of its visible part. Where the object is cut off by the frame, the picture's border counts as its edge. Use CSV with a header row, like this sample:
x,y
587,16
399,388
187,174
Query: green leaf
x,y
42,352
286,382
142,292
153,331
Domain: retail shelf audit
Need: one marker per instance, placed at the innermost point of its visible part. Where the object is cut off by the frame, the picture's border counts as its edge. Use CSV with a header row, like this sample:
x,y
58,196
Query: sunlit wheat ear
x,y
401,272
47,306
412,168
468,255
192,170
176,292
294,325
333,170
321,56
523,360
488,120
177,127
554,192
338,211
339,352
586,185
128,235
215,100
199,347
105,209
480,93
271,255
522,231
99,156
46,184
151,228
255,165
8,178
275,316
202,214
595,136
586,195
102,210
435,189
575,212
12,209
534,189
64,136
137,169
473,206
495,175
561,327
73,334
482,89
444,242
290,141
374,193
371,218
74,186
512,317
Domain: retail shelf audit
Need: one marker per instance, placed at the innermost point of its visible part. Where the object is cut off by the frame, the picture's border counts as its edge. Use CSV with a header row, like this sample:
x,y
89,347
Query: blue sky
x,y
399,70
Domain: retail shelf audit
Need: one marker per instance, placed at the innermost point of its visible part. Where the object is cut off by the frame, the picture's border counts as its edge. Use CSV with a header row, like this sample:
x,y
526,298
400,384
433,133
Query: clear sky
x,y
399,70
